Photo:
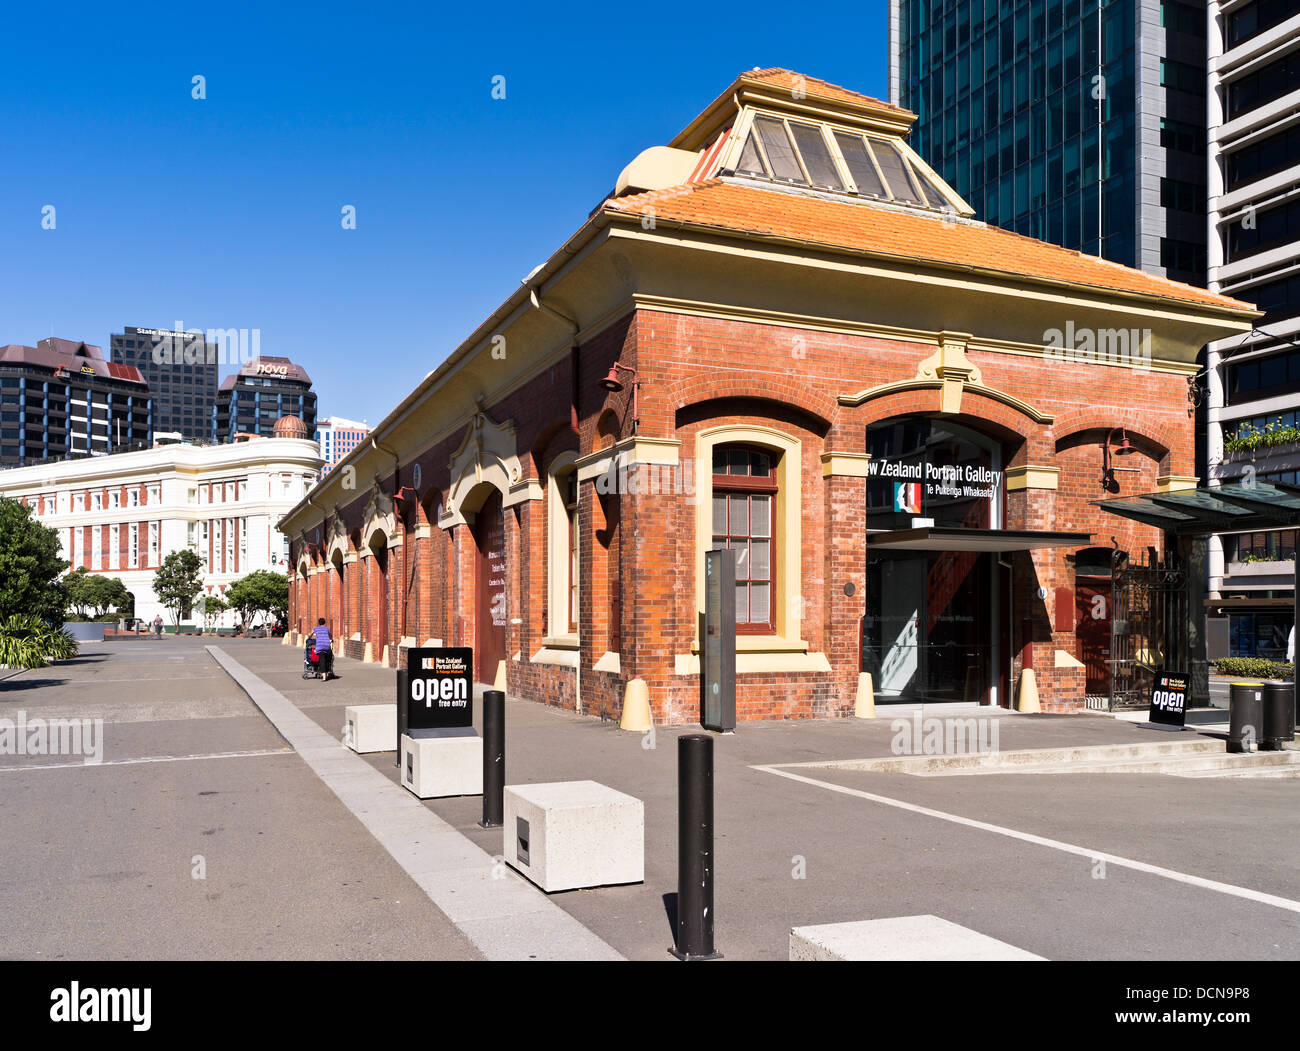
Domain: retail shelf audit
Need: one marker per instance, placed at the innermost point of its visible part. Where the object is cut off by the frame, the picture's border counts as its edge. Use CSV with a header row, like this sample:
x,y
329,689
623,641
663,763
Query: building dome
x,y
289,427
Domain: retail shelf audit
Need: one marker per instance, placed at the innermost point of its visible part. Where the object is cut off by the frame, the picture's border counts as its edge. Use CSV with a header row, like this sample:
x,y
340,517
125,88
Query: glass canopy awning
x,y
946,538
1241,507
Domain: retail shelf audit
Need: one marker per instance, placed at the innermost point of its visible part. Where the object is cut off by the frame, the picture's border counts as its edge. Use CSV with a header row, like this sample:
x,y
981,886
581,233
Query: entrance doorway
x,y
1092,621
490,590
379,573
928,633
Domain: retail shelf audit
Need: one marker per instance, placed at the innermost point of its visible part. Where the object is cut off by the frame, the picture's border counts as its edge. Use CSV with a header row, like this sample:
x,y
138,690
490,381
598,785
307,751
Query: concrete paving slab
x,y
900,938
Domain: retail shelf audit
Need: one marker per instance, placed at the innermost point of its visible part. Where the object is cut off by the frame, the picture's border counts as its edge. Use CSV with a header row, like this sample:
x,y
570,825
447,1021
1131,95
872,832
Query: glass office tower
x,y
1067,120
1253,382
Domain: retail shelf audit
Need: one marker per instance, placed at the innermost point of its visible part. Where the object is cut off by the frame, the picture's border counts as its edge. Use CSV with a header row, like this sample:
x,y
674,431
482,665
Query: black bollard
x,y
402,693
494,758
695,860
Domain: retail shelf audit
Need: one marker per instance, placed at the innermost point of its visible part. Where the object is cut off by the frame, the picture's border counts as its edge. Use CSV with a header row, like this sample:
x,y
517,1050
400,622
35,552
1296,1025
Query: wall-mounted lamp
x,y
1124,448
400,494
611,382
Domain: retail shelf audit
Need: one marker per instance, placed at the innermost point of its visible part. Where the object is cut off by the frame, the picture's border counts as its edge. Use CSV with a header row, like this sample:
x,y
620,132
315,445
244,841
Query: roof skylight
x,y
823,157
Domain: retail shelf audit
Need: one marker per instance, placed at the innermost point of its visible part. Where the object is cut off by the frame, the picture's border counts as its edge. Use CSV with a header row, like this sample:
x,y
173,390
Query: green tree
x,y
30,565
178,582
211,607
261,592
92,594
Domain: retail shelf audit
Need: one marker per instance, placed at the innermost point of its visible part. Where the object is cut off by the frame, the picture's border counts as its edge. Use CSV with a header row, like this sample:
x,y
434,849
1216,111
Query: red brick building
x,y
784,334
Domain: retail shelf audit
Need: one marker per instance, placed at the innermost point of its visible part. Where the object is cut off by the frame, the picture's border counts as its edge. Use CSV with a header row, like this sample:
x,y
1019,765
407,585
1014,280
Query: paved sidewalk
x,y
793,854
504,916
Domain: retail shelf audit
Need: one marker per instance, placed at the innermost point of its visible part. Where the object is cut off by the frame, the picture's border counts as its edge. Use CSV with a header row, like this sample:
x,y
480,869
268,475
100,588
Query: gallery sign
x,y
915,478
439,688
1169,698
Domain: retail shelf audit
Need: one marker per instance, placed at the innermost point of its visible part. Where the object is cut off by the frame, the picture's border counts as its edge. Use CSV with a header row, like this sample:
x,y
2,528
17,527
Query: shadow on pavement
x,y
670,907
16,685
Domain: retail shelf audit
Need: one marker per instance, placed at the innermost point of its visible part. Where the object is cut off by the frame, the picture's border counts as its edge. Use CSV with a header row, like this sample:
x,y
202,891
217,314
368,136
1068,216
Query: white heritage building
x,y
122,514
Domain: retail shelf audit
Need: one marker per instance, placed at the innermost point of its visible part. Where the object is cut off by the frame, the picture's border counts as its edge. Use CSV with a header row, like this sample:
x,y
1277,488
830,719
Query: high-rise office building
x,y
264,389
337,437
1077,123
1253,383
181,370
62,398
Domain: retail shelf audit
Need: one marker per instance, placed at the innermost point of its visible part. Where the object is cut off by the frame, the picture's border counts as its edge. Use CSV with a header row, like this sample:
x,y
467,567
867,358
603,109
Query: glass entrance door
x,y
928,629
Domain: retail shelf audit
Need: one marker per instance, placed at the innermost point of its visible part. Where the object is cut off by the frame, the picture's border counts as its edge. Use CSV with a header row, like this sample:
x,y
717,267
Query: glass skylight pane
x,y
816,157
750,161
937,198
891,166
780,151
860,167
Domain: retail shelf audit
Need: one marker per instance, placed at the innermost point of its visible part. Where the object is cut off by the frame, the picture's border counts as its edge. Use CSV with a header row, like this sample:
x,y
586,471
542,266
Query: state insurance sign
x,y
439,691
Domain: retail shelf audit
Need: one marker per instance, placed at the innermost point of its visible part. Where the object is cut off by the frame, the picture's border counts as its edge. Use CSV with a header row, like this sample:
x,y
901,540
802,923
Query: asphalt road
x,y
100,861
104,863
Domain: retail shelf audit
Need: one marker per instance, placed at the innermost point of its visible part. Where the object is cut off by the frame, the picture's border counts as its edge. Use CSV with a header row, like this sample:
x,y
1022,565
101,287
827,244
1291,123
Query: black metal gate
x,y
1148,626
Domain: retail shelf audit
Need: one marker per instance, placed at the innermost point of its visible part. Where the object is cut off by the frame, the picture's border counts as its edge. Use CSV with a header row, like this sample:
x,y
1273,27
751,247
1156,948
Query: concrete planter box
x,y
85,630
572,834
1264,452
370,727
450,764
1262,569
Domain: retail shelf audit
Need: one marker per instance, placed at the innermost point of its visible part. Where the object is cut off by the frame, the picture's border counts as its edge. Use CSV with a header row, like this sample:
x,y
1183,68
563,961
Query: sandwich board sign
x,y
1169,698
439,688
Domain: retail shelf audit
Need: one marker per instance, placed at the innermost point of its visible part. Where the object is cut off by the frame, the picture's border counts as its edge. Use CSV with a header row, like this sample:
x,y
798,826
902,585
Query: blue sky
x,y
225,212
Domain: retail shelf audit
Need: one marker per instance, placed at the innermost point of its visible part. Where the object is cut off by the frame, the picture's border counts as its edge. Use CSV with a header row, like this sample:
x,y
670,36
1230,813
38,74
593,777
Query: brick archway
x,y
1159,437
1029,438
750,387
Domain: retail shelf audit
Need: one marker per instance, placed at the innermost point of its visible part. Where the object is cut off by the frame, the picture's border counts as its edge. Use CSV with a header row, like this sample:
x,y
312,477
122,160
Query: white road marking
x,y
1054,844
91,680
146,759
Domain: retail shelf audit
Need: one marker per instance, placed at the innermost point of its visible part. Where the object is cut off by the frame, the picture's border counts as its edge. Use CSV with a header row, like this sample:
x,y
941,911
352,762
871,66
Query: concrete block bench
x,y
445,763
571,834
370,727
899,938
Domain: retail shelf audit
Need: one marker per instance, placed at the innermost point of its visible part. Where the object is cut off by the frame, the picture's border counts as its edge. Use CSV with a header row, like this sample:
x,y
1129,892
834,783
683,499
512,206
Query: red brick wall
x,y
637,552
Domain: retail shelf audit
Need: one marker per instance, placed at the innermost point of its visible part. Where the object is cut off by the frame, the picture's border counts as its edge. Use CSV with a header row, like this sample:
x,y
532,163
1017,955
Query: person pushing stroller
x,y
320,651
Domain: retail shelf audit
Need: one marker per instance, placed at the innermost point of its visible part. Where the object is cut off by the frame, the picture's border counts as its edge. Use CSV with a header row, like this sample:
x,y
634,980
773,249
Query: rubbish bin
x,y
1245,714
1279,715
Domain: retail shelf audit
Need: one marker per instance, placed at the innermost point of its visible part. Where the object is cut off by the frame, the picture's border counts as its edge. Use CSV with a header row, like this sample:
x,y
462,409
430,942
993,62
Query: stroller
x,y
316,665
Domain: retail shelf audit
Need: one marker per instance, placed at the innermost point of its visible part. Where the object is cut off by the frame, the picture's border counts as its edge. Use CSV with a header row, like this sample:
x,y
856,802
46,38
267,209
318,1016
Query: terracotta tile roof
x,y
861,227
786,78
